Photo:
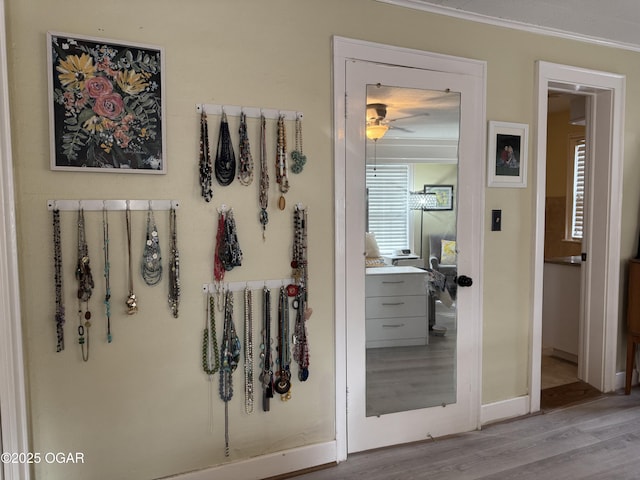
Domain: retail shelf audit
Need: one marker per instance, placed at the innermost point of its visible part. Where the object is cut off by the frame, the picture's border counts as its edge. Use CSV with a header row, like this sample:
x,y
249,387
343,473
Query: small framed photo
x,y
439,197
507,154
106,104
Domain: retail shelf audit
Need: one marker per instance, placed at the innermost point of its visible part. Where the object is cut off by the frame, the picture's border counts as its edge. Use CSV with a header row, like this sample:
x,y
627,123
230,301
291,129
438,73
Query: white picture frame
x,y
507,154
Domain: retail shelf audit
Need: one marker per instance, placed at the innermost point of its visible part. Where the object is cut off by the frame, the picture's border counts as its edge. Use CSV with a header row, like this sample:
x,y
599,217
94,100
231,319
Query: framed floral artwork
x,y
105,105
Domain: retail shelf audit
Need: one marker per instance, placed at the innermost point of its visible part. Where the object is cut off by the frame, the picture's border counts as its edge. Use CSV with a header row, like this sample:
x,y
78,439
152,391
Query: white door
x,y
456,408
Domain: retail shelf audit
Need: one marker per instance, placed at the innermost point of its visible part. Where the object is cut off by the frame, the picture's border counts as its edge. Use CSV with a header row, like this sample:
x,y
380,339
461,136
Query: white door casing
x,y
351,146
600,279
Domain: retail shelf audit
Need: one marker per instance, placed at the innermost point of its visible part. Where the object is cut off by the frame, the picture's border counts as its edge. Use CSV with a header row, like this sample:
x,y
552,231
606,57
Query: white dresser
x,y
396,307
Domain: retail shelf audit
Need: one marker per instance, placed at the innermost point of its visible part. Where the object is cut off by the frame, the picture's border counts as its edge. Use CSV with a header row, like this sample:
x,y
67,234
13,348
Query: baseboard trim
x,y
265,466
504,410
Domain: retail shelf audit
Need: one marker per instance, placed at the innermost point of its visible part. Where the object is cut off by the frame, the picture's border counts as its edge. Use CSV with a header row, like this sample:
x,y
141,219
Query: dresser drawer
x,y
385,329
396,307
396,284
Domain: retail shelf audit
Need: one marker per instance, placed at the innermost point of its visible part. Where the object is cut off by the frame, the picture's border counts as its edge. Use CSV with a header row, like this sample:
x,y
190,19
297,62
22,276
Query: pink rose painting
x,y
107,105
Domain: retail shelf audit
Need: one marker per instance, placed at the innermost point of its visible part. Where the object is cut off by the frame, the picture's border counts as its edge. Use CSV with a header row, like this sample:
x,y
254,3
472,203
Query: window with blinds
x,y
388,206
579,149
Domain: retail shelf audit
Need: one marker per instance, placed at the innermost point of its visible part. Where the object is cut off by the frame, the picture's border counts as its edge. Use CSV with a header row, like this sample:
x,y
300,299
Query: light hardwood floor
x,y
599,439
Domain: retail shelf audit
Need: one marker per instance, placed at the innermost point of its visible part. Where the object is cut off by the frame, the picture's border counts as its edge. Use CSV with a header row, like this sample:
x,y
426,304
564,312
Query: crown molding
x,y
507,23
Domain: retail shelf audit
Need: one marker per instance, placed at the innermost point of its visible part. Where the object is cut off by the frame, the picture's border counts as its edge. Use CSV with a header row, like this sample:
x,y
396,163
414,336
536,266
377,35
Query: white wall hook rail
x,y
95,205
251,285
250,112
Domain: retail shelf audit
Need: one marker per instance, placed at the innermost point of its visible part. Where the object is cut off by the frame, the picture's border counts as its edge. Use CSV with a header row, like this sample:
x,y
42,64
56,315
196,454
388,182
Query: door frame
x,y
598,342
13,409
349,49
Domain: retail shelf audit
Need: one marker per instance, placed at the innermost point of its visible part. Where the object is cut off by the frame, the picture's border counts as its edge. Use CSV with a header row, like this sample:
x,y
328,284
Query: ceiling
x,y
424,114
613,21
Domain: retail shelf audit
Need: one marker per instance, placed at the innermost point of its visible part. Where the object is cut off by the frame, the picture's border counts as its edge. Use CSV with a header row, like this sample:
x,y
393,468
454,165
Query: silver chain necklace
x,y
85,287
151,265
245,167
248,351
174,265
132,302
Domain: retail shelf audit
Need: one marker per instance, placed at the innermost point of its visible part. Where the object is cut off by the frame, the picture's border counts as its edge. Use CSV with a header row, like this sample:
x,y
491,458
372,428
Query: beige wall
x,y
139,407
558,164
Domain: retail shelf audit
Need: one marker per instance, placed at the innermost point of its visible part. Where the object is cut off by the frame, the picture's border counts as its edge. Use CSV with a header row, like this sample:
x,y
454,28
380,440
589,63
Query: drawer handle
x,y
393,281
393,326
394,304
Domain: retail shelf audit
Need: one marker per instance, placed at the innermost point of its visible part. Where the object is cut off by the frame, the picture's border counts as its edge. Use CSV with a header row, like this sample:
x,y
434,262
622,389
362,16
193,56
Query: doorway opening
x,y
586,331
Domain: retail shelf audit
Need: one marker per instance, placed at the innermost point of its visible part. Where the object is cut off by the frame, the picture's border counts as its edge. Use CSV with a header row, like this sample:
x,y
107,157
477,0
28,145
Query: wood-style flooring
x,y
599,439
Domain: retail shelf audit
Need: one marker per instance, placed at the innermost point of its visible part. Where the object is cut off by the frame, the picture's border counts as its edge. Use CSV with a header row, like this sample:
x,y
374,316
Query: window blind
x,y
577,215
388,206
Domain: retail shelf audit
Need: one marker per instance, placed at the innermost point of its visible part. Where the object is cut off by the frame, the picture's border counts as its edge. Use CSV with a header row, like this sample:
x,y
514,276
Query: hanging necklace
x,y
210,356
282,384
245,169
205,159
300,274
151,266
266,376
281,162
264,177
132,302
225,165
107,268
229,358
57,277
299,158
85,287
230,252
248,351
174,264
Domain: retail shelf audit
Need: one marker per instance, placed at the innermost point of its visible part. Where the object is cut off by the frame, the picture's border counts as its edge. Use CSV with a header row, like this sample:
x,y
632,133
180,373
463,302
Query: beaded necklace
x,y
300,274
174,265
282,383
229,358
266,376
245,169
205,159
248,351
230,253
210,355
107,269
57,277
299,158
225,164
85,287
132,302
151,265
264,177
281,162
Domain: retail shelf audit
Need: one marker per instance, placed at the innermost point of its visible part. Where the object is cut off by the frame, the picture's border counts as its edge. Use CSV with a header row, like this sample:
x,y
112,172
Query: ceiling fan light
x,y
376,132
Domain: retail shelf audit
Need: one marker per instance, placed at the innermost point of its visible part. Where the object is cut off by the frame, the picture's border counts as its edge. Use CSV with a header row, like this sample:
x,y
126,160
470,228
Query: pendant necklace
x,y
282,384
151,266
281,162
85,287
225,164
132,302
57,277
248,351
300,274
266,376
210,355
229,358
299,158
205,159
264,177
107,268
174,264
245,169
